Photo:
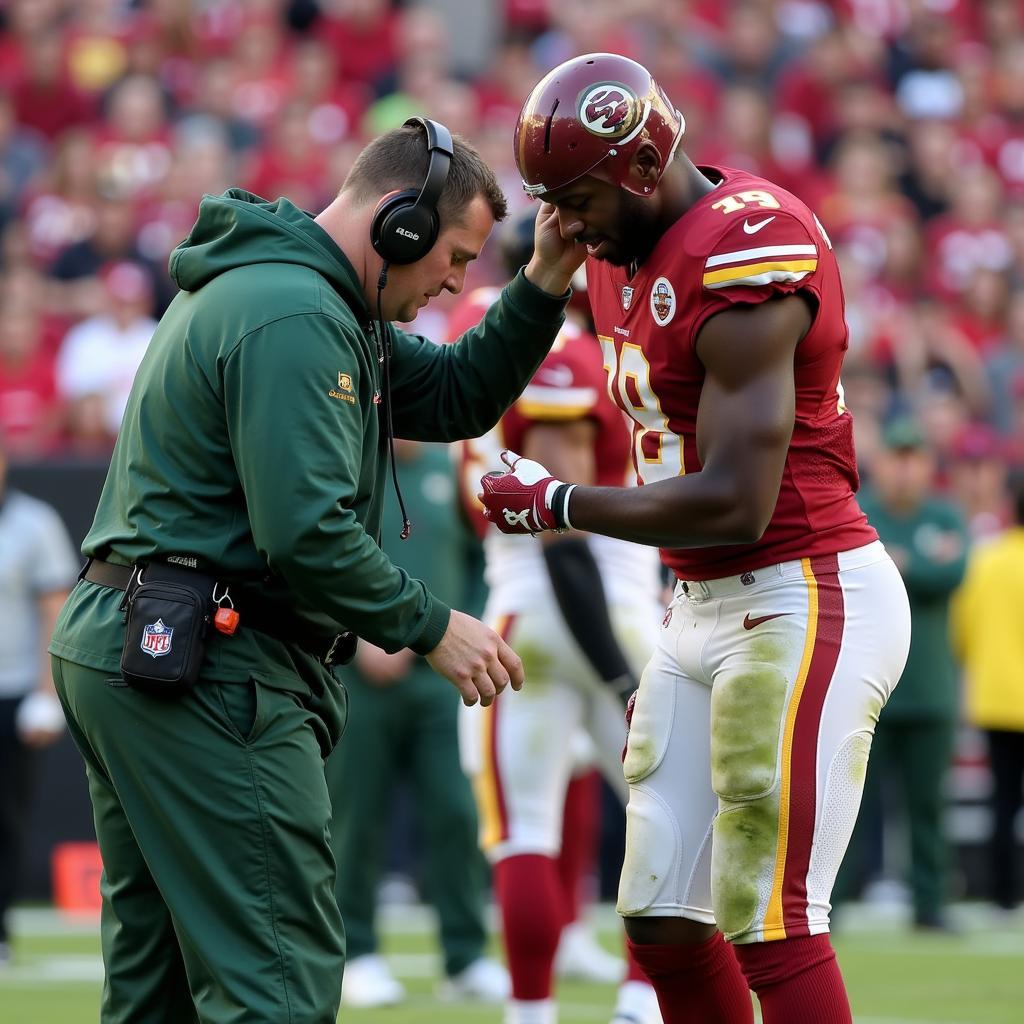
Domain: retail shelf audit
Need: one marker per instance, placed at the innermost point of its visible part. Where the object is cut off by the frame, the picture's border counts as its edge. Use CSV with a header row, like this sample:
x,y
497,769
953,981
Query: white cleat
x,y
581,956
484,981
637,1004
368,981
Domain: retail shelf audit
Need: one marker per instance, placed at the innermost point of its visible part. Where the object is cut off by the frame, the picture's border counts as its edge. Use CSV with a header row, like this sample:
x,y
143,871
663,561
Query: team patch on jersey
x,y
627,296
663,301
156,639
763,265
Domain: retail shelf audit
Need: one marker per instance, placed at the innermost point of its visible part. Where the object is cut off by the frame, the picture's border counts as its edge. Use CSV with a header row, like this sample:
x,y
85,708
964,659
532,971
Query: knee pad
x,y
747,712
742,860
652,840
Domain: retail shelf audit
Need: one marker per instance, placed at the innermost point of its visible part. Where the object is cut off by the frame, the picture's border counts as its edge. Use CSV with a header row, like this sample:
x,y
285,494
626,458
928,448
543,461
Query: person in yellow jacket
x,y
988,639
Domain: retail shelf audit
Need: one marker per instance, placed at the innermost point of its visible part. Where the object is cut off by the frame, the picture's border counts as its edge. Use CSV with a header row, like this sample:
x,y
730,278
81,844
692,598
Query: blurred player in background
x,y
37,568
913,747
583,612
988,640
717,299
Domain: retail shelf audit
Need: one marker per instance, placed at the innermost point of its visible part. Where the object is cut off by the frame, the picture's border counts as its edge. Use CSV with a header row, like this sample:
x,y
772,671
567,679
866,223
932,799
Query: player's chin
x,y
610,252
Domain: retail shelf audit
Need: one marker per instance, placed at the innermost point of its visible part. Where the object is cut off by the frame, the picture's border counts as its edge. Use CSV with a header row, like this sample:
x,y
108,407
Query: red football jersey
x,y
569,385
743,242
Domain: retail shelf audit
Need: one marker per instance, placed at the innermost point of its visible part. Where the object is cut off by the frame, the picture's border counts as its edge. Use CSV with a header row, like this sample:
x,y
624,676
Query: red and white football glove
x,y
526,498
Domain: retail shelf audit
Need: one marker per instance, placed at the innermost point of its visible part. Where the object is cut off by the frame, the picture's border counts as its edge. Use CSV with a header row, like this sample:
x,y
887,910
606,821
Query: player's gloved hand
x,y
526,498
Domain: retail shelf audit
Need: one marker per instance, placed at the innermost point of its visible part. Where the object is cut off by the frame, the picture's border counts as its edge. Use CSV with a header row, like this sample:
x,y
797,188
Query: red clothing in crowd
x,y
956,249
29,405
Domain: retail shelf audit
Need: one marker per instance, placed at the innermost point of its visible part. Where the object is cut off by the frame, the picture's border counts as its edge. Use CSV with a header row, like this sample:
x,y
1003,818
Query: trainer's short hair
x,y
398,160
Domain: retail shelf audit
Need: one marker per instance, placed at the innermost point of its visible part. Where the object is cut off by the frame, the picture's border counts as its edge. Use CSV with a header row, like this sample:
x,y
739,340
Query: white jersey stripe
x,y
766,278
765,250
559,396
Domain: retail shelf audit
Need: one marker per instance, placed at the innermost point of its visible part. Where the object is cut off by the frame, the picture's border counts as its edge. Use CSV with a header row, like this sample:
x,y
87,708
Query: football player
x,y
719,307
583,612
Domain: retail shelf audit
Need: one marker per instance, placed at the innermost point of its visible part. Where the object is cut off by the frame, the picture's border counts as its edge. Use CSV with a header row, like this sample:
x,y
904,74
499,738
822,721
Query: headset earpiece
x,y
405,226
403,231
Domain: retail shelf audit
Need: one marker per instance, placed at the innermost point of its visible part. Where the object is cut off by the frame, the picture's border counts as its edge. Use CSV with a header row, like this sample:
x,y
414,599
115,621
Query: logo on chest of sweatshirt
x,y
344,391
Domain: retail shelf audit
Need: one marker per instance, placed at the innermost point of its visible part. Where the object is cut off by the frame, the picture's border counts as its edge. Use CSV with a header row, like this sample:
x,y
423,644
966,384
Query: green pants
x,y
915,756
211,814
406,730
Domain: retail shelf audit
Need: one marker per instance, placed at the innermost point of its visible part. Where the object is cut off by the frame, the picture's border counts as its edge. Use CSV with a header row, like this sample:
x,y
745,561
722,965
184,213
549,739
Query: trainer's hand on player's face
x,y
475,660
555,257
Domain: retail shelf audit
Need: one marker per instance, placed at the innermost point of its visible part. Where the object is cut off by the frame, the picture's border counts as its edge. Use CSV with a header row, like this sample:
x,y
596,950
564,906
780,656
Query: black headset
x,y
405,226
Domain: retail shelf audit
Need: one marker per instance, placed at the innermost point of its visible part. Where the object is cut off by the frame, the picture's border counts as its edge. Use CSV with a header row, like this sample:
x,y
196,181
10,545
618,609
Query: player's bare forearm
x,y
744,426
687,512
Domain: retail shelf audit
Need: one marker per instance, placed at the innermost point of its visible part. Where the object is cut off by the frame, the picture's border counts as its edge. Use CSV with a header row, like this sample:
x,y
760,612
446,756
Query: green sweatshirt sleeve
x,y
305,445
448,392
936,569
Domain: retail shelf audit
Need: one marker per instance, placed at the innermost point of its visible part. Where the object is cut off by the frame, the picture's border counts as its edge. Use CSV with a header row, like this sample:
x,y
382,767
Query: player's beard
x,y
636,232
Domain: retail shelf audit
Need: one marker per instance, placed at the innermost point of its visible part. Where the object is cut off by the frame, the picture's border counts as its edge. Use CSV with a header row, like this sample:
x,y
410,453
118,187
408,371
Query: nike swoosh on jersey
x,y
750,623
752,229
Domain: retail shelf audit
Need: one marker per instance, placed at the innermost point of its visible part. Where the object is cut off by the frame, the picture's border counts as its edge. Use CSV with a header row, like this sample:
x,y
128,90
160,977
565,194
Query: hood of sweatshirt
x,y
239,229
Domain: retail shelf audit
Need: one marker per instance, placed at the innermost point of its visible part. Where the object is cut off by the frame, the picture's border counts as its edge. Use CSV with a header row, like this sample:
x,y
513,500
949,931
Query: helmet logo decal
x,y
609,110
663,301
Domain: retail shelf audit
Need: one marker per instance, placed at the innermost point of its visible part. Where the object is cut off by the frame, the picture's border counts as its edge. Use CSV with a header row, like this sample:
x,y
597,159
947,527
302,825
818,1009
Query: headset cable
x,y
384,358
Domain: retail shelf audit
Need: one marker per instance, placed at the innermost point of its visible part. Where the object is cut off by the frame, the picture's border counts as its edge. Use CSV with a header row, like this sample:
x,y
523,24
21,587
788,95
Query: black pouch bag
x,y
165,637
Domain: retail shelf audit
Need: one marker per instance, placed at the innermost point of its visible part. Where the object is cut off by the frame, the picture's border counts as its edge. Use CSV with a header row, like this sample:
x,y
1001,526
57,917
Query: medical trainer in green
x,y
249,475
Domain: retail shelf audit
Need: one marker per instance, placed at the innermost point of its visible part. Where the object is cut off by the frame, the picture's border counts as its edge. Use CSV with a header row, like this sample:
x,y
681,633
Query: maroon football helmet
x,y
588,116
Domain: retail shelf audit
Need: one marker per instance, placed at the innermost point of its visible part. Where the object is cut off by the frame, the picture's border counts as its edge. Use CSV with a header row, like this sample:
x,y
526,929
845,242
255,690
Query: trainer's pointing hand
x,y
475,660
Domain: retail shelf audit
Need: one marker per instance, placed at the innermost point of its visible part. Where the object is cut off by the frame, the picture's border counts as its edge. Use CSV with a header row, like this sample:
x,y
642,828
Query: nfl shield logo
x,y
627,296
156,639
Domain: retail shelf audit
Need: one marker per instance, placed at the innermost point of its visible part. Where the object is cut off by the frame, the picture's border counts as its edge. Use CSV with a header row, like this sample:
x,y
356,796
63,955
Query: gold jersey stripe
x,y
542,411
774,927
753,269
485,784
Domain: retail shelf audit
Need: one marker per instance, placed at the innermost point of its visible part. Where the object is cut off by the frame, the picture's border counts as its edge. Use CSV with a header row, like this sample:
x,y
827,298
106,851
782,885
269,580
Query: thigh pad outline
x,y
651,726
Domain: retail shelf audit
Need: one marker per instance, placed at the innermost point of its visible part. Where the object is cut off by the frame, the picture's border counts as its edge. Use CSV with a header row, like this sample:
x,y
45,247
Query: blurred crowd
x,y
901,122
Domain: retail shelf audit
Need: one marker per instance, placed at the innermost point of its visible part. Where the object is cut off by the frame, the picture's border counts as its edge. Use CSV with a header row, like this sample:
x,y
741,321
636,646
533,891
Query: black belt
x,y
254,614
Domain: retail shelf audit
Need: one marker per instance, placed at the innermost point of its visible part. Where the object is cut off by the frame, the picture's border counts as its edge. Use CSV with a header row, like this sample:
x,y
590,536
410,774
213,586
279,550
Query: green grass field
x,y
894,976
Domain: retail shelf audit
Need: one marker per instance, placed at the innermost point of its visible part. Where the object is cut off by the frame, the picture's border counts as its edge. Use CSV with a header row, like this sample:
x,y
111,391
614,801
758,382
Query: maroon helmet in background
x,y
588,116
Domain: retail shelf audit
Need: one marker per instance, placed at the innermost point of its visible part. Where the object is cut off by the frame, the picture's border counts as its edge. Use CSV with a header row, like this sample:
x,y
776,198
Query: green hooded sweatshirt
x,y
252,441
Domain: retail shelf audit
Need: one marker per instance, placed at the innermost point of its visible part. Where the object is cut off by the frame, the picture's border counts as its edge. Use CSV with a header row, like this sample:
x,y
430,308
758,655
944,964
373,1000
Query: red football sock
x,y
634,972
532,914
579,839
696,984
797,981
